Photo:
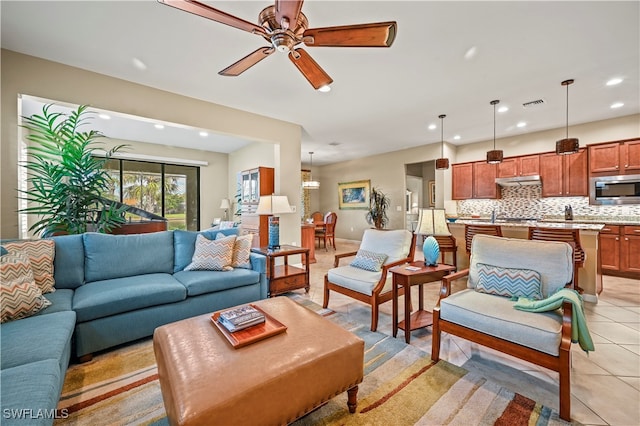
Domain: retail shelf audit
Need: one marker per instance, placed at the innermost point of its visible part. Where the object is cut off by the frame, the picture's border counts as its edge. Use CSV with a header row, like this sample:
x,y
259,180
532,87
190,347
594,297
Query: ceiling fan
x,y
284,26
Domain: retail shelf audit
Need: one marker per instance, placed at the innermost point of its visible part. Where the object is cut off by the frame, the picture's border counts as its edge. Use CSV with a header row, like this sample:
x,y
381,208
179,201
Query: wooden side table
x,y
284,278
405,278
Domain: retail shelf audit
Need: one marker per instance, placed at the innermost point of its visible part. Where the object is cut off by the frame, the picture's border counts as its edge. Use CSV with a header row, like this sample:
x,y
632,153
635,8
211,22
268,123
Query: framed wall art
x,y
354,195
432,193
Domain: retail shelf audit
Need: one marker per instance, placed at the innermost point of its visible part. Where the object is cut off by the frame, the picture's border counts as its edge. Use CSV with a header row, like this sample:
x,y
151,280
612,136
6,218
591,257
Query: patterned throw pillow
x,y
212,255
19,295
241,250
509,282
40,254
369,261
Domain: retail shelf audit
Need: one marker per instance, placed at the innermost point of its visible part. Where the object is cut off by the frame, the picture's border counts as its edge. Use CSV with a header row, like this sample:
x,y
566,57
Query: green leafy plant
x,y
65,175
378,205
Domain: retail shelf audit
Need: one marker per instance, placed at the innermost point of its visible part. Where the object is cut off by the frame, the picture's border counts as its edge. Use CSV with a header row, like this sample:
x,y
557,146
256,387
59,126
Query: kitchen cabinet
x,y
474,180
615,158
255,183
630,249
527,165
610,248
620,250
564,175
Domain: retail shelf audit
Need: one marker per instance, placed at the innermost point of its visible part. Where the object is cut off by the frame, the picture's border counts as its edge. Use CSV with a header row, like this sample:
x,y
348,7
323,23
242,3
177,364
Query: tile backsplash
x,y
527,202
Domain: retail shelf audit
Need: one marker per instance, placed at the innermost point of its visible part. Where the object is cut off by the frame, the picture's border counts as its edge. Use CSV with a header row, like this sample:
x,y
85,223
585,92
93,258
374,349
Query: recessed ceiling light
x,y
139,64
614,81
104,116
204,134
324,89
521,124
432,126
159,126
471,53
456,137
503,109
617,105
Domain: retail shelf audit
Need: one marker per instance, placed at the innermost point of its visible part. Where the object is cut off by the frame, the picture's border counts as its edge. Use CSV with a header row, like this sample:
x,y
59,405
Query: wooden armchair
x,y
369,286
491,320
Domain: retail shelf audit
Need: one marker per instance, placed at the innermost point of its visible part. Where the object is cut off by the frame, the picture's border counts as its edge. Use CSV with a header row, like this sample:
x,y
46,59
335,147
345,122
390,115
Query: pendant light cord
x,y
442,135
567,126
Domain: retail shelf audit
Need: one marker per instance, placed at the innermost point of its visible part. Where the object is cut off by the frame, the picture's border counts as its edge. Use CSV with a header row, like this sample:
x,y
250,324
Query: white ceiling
x,y
382,99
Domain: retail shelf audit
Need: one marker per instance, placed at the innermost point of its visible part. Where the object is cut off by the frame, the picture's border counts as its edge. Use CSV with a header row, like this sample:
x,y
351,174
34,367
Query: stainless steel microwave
x,y
623,189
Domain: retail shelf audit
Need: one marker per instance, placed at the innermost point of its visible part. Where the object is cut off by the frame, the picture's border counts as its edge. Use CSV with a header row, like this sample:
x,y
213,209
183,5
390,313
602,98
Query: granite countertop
x,y
609,220
593,226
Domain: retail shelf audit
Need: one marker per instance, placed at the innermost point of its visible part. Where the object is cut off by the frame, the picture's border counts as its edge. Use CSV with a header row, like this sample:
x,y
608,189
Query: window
x,y
167,190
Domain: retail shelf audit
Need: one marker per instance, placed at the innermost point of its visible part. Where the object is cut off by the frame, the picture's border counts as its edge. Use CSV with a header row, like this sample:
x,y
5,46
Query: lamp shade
x,y
225,204
273,204
432,222
311,184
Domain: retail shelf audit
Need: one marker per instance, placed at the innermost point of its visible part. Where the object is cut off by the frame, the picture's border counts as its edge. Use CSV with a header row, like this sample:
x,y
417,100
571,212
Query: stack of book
x,y
240,318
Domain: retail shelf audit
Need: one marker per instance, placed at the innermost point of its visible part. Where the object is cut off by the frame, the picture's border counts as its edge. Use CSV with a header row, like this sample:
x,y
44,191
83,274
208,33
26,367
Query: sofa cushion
x,y
212,255
115,256
184,243
354,278
552,259
36,338
19,295
40,254
368,260
241,251
201,282
509,282
32,390
396,243
61,301
68,264
109,297
468,308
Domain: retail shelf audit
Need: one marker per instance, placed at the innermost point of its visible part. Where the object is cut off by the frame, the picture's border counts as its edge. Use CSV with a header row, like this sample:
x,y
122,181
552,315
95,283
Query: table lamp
x,y
273,205
432,222
225,205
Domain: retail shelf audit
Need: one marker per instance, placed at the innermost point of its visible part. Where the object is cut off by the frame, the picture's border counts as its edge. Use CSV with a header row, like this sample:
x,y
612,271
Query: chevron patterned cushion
x,y
368,260
241,250
40,254
19,295
509,282
212,255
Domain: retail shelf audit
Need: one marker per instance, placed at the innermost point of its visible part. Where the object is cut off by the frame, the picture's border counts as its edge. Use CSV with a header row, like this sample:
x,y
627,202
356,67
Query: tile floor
x,y
605,385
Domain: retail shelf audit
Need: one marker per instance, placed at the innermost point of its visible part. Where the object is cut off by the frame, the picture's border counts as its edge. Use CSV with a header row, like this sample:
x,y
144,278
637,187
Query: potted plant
x,y
65,175
378,205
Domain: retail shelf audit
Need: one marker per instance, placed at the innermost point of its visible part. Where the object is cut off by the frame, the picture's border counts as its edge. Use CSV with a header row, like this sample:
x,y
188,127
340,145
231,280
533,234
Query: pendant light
x,y
310,184
567,145
494,156
442,163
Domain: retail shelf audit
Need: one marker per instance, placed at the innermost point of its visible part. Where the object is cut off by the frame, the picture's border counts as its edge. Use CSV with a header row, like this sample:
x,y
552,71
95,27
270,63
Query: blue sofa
x,y
110,289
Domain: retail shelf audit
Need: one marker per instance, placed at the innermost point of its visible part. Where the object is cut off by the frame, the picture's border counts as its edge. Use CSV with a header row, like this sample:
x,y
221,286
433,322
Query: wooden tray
x,y
270,327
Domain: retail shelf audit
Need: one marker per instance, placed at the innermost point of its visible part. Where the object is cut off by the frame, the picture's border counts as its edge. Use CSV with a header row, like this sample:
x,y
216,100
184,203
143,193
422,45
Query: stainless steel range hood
x,y
519,181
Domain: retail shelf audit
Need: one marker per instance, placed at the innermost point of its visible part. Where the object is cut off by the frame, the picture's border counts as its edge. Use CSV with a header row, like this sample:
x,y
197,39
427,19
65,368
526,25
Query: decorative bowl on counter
x,y
451,219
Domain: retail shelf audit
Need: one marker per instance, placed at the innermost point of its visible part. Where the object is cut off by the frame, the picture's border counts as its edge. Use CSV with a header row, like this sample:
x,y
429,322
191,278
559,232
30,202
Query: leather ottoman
x,y
205,380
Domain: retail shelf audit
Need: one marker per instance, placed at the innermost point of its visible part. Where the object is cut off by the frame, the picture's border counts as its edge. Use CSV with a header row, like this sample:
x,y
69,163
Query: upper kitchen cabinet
x,y
564,175
615,158
528,165
474,180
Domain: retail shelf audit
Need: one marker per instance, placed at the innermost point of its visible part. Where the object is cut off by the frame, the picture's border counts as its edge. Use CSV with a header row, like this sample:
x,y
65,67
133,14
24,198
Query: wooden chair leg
x,y
374,315
325,302
565,384
435,337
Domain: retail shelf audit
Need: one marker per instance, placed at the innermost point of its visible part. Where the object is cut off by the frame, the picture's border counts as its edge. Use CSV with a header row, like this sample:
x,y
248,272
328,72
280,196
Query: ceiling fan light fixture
x,y
495,155
442,163
324,89
567,145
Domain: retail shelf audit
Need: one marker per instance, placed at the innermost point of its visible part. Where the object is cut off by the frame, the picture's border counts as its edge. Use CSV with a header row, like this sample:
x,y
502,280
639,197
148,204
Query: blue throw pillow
x,y
509,282
369,261
3,251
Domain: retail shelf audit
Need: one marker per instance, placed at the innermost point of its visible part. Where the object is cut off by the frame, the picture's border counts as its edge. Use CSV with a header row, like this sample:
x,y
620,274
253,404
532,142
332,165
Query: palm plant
x,y
378,205
66,177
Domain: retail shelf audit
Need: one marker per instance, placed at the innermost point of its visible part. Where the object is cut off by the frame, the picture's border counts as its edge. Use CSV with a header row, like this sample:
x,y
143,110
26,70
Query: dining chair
x,y
329,230
571,236
317,217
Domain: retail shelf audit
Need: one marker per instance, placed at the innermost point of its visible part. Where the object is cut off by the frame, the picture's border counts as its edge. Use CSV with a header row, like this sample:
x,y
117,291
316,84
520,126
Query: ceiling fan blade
x,y
310,69
379,34
287,11
247,62
201,9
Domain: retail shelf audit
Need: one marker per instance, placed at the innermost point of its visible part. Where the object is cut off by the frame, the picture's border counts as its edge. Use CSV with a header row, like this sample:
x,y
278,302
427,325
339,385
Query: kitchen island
x,y
589,277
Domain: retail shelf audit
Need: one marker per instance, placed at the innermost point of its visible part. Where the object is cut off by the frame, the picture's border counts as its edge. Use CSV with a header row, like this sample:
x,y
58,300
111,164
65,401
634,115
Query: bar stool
x,y
471,230
447,243
571,236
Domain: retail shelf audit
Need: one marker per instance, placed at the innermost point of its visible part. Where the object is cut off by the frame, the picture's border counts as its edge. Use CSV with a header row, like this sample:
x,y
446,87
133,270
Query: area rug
x,y
402,386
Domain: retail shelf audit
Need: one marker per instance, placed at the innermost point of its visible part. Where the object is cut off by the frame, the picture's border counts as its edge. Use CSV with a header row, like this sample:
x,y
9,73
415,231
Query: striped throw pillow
x,y
509,282
369,261
20,297
241,250
40,254
212,255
